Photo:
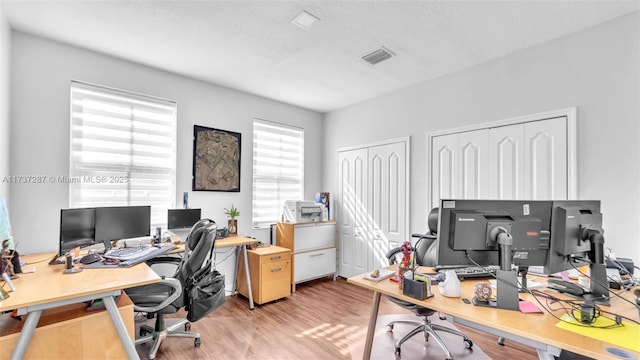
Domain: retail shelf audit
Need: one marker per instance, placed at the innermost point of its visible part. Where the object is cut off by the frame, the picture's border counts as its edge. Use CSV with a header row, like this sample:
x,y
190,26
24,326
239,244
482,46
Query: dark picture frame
x,y
216,159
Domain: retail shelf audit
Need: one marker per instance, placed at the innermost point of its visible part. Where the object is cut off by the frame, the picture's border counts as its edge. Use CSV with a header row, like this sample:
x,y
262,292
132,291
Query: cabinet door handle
x,y
276,269
314,255
276,257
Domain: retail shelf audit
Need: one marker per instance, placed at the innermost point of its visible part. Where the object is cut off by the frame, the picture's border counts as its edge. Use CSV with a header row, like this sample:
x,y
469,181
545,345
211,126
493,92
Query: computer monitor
x,y
182,219
577,239
470,231
495,232
122,222
77,229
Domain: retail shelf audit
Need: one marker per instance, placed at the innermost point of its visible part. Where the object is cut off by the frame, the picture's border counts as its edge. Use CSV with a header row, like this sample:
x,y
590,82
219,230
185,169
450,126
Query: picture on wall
x,y
216,159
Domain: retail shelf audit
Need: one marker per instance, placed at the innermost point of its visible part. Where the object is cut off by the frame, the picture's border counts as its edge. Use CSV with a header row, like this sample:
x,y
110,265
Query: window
x,y
278,169
122,150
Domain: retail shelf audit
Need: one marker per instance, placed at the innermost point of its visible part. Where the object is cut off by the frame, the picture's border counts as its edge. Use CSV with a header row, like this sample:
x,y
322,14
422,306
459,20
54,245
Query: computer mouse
x,y
90,258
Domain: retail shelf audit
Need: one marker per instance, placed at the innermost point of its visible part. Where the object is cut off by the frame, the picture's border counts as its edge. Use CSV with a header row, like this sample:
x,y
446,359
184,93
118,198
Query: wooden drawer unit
x,y
270,269
313,246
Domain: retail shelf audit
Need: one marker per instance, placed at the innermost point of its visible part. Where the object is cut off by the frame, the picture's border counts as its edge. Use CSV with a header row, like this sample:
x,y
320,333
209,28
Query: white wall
x,y
41,73
4,102
596,70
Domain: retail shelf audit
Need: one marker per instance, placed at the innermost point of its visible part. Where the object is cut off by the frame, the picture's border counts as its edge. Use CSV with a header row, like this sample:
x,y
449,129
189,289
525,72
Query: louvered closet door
x,y
352,201
387,202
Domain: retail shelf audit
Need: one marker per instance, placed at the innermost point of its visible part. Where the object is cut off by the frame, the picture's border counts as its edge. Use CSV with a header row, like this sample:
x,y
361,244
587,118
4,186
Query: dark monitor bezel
x,y
178,225
65,244
126,214
565,234
520,211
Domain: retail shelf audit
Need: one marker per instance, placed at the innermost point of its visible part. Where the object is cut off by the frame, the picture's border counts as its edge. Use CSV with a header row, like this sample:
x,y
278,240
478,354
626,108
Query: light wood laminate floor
x,y
323,319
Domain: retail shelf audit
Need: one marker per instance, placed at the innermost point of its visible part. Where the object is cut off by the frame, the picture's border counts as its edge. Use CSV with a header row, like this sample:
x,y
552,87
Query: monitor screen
x,y
568,221
77,228
124,222
182,218
467,231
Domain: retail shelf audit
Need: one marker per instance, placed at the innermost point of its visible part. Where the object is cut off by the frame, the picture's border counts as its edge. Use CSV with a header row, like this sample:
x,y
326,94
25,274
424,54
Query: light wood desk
x,y
536,330
240,243
48,288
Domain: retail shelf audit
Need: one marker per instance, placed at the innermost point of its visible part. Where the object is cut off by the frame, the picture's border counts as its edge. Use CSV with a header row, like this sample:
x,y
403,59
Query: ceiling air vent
x,y
377,56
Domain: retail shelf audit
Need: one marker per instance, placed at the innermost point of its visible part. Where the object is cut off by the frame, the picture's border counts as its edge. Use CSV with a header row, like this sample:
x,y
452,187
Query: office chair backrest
x,y
426,248
198,249
199,243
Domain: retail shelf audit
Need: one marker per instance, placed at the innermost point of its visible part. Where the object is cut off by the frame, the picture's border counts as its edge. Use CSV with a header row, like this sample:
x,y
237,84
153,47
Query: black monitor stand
x,y
507,279
598,283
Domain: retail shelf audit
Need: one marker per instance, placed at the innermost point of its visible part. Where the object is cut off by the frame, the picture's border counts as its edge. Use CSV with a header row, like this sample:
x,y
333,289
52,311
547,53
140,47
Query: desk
x,y
238,242
536,330
48,288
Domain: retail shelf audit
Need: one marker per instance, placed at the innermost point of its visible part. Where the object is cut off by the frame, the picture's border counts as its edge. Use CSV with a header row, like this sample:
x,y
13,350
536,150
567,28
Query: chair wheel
x,y
197,342
187,326
389,328
143,332
468,344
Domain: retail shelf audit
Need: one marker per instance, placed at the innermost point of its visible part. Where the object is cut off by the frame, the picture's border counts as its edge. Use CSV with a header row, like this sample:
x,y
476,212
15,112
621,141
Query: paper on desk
x,y
625,336
531,285
527,306
571,273
384,273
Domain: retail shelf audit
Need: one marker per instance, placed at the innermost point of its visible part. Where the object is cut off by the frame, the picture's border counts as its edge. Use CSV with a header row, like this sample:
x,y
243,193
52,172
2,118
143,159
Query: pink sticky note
x,y
564,275
528,307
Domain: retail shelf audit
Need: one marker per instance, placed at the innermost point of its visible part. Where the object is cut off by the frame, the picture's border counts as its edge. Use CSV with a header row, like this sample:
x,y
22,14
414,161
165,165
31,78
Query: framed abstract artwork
x,y
216,159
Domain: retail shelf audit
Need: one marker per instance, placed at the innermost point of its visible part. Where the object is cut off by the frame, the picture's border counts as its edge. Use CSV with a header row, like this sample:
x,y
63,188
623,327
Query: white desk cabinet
x,y
313,246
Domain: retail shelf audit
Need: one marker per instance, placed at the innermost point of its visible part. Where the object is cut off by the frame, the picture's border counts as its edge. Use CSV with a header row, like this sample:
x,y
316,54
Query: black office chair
x,y
168,296
425,254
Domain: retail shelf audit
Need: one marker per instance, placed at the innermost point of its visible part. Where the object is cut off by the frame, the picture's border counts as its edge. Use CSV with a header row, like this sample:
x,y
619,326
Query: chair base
x,y
428,328
148,334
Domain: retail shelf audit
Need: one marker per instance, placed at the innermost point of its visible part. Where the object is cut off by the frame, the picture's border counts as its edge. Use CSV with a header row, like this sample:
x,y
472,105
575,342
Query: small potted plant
x,y
232,213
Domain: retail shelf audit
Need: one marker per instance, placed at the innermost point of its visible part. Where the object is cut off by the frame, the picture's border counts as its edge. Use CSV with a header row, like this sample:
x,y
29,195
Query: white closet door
x,y
387,202
506,162
545,173
352,201
445,168
474,164
529,157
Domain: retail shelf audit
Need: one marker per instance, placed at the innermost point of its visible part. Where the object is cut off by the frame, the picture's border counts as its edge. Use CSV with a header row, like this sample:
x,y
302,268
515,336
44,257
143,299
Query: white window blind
x,y
122,150
278,169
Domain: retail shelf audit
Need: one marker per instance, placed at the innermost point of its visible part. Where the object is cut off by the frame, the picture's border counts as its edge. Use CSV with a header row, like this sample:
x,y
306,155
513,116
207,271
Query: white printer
x,y
302,211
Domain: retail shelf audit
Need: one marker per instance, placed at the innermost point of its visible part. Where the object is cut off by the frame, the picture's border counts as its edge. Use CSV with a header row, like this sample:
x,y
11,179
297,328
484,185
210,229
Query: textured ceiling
x,y
252,46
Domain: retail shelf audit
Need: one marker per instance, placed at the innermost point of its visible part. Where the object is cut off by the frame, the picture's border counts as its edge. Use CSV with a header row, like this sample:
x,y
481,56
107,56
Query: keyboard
x,y
476,272
129,253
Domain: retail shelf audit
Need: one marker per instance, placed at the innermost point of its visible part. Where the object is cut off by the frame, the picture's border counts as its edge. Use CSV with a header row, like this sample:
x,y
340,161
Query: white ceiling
x,y
252,46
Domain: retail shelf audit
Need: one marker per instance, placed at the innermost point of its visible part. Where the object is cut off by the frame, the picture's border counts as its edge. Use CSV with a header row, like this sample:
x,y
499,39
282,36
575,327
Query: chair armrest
x,y
169,282
164,260
427,236
391,254
164,265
